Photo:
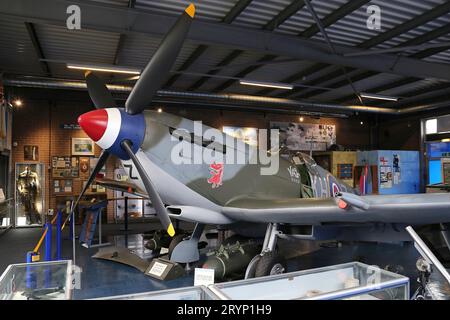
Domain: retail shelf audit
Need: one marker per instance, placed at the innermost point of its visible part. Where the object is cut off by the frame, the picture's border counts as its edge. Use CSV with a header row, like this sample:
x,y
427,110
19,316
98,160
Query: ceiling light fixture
x,y
18,103
111,69
301,119
266,84
160,110
377,96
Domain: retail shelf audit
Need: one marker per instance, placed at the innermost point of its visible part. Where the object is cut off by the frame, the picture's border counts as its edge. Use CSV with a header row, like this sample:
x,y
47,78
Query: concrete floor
x,y
100,278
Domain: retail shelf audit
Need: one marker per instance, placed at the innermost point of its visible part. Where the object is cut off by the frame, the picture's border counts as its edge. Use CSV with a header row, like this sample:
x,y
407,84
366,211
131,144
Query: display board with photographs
x,y
93,163
305,136
137,207
247,134
94,188
65,167
62,186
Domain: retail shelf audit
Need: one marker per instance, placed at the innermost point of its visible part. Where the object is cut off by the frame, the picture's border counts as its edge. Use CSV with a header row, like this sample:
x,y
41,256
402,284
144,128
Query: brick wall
x,y
39,123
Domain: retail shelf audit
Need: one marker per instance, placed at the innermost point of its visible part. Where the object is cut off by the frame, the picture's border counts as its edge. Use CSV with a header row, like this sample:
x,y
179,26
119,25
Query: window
x,y
431,126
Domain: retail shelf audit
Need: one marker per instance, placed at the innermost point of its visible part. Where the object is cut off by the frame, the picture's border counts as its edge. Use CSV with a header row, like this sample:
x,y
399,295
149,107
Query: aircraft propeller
x,y
98,92
151,79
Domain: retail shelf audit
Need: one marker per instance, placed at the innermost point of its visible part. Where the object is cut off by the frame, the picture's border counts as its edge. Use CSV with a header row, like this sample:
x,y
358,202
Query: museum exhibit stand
x,y
36,281
30,193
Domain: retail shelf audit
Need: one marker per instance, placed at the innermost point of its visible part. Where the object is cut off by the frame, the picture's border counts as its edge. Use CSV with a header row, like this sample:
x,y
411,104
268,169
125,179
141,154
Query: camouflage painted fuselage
x,y
186,183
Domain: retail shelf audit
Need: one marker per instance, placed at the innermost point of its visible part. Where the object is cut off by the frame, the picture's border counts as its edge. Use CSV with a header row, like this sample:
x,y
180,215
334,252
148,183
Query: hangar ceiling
x,y
260,40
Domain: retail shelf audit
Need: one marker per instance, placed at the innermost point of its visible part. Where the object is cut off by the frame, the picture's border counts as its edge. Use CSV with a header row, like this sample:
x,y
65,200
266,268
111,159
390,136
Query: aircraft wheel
x,y
250,271
269,264
175,241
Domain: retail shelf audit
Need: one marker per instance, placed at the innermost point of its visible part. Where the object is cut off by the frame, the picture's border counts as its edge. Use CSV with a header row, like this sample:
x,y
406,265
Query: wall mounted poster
x,y
305,136
249,135
385,177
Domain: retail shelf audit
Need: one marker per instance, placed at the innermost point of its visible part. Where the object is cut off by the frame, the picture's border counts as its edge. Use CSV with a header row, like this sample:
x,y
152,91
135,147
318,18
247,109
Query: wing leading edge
x,y
426,208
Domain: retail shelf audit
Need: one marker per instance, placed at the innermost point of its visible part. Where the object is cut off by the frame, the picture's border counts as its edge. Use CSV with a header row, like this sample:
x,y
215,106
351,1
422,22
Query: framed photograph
x,y
82,147
62,186
31,153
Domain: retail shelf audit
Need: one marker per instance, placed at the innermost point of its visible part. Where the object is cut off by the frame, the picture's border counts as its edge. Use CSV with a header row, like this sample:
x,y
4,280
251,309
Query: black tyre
x,y
269,264
175,241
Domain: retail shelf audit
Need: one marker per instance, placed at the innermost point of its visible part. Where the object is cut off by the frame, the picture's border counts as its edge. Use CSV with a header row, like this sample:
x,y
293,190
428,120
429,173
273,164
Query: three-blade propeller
x,y
151,79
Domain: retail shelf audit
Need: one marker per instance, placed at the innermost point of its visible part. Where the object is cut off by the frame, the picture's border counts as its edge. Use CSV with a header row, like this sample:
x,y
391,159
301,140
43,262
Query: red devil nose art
x,y
94,123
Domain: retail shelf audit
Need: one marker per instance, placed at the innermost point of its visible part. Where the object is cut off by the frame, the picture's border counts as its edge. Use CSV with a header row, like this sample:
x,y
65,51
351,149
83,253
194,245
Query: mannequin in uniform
x,y
28,187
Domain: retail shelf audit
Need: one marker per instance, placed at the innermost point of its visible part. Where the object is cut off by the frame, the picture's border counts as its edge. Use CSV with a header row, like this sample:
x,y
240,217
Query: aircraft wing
x,y
121,186
426,208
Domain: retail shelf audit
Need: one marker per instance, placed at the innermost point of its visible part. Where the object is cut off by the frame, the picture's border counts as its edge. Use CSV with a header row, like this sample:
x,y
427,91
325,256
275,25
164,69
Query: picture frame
x,y
65,167
62,186
82,147
84,167
31,153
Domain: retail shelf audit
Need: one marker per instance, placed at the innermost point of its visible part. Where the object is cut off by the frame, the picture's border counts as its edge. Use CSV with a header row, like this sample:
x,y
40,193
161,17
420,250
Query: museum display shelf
x,y
37,281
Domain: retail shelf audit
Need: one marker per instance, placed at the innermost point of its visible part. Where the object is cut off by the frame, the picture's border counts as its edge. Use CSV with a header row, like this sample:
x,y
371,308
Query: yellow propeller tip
x,y
190,10
171,230
88,72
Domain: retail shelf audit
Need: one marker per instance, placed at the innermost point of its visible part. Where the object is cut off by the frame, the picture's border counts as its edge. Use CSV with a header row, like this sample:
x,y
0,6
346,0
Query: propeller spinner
x,y
121,132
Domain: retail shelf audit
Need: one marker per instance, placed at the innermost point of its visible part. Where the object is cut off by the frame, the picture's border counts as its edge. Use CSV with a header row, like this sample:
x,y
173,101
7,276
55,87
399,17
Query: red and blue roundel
x,y
334,189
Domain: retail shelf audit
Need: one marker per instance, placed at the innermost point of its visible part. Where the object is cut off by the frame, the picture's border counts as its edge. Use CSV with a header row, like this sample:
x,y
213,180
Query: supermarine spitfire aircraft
x,y
300,201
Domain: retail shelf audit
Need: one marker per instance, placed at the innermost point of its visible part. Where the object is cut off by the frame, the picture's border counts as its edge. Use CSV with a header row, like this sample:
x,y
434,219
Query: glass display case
x,y
349,281
6,213
37,281
29,190
187,293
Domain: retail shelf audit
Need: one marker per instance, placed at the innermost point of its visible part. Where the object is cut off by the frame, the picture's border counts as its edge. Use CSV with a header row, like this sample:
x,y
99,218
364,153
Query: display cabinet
x,y
29,193
37,281
187,293
6,213
349,281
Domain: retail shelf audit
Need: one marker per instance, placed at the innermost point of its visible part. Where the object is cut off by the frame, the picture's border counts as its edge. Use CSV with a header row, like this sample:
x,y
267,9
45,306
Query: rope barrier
x,y
40,240
44,234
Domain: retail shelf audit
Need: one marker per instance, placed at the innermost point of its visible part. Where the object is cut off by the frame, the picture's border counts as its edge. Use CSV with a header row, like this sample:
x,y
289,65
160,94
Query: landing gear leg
x,y
424,269
187,250
445,233
268,262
